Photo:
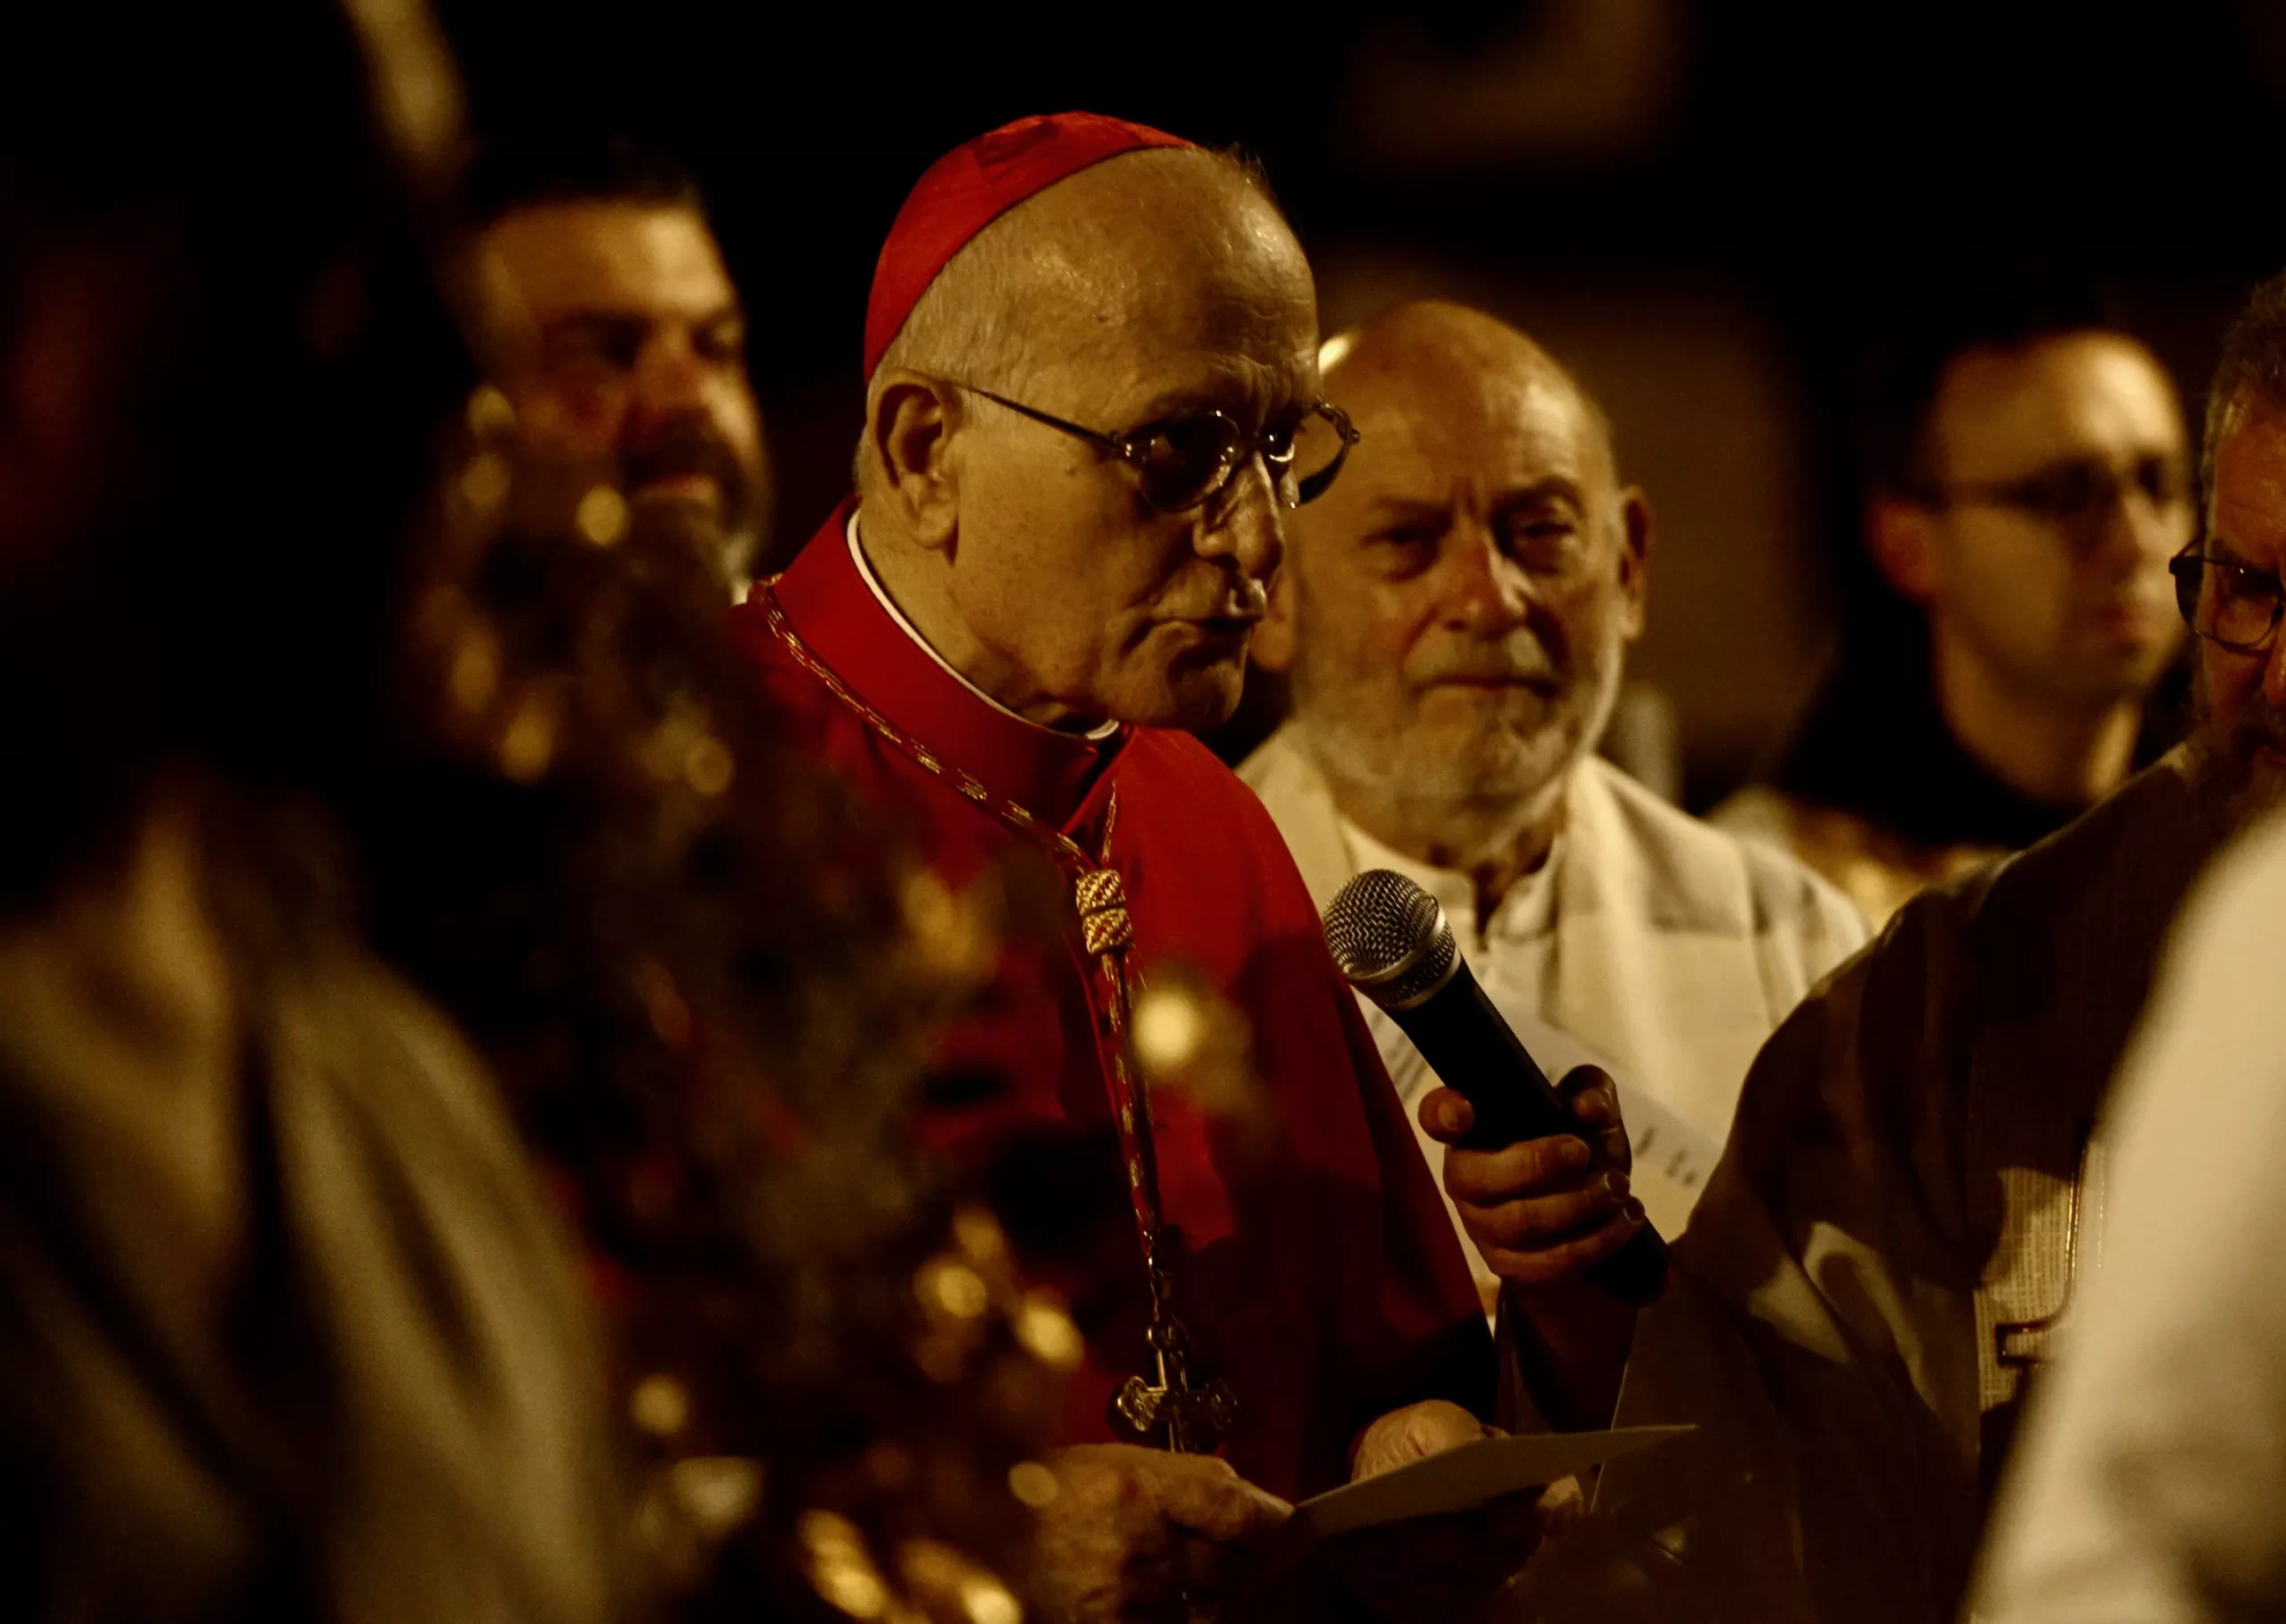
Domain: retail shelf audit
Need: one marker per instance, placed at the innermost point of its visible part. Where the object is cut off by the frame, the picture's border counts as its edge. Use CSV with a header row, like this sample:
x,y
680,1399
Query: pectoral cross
x,y
1165,1408
1170,1412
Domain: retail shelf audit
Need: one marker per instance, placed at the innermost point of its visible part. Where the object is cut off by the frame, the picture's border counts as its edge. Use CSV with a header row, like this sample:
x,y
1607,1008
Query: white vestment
x,y
1661,948
2151,1482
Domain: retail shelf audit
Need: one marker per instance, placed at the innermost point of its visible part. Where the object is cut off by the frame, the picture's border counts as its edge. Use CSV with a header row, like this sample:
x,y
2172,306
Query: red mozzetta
x,y
1311,1257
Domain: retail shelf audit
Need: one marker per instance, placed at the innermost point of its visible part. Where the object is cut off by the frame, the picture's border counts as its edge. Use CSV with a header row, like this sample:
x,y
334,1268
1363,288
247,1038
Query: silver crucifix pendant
x,y
1170,1413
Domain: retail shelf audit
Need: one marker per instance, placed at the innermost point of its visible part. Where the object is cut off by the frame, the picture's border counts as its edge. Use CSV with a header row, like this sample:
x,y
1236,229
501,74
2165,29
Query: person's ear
x,y
1273,648
909,428
1901,536
1634,559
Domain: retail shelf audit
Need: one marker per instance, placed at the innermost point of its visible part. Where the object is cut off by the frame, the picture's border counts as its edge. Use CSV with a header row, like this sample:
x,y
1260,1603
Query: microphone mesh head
x,y
1390,938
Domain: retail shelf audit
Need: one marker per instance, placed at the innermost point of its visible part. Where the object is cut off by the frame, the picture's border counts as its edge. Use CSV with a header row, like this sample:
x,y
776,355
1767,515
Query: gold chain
x,y
1066,849
1168,1408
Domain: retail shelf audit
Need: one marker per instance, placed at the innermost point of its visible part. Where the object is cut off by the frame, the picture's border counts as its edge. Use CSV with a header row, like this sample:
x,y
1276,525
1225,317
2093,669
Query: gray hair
x,y
2253,364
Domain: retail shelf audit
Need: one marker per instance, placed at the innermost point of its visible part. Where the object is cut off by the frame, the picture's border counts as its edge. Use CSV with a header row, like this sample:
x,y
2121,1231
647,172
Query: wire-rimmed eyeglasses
x,y
2228,603
1182,462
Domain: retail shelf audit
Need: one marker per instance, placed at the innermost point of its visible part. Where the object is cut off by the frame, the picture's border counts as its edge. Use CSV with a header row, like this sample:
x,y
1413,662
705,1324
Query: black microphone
x,y
1392,940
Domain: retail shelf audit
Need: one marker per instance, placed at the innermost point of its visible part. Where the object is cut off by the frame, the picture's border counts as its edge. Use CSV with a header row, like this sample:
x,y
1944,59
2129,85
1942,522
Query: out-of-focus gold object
x,y
951,1585
954,1298
601,516
977,1234
489,412
991,1602
475,675
686,1511
1033,1484
668,749
706,765
1171,1030
839,1566
660,1406
484,482
716,1492
953,1287
951,932
529,743
767,971
1187,1035
1048,1333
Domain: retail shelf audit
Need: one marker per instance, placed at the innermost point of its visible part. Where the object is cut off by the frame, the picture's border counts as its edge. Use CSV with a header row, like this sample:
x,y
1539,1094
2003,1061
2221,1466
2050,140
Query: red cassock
x,y
1311,1259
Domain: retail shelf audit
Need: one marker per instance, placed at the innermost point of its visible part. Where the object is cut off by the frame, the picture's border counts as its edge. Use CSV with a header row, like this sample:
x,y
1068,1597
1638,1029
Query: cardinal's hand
x,y
1140,1534
1433,1568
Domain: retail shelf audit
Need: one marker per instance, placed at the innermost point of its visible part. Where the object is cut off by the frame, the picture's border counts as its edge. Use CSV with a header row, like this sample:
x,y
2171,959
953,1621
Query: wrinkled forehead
x,y
2246,515
605,256
2004,412
1501,428
1166,274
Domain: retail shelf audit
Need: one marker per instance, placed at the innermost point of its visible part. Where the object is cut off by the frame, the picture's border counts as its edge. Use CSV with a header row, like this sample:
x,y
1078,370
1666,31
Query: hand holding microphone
x,y
1555,1210
1538,1171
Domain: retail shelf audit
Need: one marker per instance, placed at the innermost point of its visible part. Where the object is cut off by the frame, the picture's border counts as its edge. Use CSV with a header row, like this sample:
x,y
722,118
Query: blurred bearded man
x,y
287,1330
1093,394
621,342
1455,616
1887,1249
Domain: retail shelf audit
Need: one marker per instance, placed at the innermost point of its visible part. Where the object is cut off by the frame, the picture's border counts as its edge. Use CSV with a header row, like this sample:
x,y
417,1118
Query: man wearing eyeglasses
x,y
1093,394
2227,582
2148,1483
1914,1181
622,347
2028,480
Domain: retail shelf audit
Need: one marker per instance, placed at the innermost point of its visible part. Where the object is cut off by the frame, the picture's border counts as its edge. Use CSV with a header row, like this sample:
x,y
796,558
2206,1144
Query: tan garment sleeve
x,y
1820,1334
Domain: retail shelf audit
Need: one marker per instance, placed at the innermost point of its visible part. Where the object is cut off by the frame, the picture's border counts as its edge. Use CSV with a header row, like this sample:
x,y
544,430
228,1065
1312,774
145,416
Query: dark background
x,y
1703,208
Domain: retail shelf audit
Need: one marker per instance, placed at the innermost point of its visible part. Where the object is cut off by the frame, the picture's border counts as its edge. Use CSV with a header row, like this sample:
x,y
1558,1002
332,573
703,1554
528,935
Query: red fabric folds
x,y
1316,1267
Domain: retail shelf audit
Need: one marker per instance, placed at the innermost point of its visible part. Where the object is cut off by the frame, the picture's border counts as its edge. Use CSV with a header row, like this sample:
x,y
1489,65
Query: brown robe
x,y
1875,1263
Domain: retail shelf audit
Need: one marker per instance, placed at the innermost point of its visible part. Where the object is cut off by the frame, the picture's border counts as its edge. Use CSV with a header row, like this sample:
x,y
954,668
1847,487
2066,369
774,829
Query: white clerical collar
x,y
872,583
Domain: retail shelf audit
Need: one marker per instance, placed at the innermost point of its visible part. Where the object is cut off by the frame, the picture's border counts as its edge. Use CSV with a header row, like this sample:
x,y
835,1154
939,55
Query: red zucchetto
x,y
972,186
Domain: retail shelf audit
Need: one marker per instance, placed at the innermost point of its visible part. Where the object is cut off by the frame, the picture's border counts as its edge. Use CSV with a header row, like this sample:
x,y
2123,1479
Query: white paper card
x,y
1457,1480
1464,1478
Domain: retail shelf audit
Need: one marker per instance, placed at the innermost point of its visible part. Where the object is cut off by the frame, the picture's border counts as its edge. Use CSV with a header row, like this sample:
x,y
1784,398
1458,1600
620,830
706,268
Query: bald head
x,y
1436,371
1455,609
1148,239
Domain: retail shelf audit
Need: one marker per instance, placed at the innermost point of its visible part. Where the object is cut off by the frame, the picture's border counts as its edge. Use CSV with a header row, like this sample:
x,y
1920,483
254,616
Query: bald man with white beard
x,y
1454,617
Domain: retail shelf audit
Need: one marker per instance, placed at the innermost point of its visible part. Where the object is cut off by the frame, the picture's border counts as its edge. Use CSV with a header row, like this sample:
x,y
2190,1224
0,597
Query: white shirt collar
x,y
872,583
